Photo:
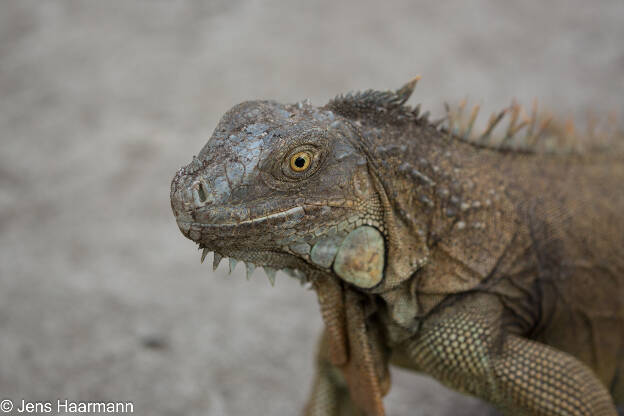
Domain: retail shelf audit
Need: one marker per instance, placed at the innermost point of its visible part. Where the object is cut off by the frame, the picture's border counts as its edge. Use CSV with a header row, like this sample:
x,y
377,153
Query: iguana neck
x,y
444,190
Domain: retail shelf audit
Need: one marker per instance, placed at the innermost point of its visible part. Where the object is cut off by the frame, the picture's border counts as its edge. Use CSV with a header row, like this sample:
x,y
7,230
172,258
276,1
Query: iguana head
x,y
292,187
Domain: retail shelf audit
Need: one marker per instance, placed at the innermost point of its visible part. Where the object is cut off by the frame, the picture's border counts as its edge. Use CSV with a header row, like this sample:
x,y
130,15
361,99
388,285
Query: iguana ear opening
x,y
376,261
406,248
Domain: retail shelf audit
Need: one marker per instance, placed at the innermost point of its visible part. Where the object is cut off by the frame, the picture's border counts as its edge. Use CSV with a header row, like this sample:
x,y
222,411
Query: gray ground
x,y
101,298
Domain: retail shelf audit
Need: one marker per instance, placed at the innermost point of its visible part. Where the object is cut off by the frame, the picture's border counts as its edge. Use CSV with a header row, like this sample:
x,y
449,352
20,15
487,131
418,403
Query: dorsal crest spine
x,y
354,104
531,131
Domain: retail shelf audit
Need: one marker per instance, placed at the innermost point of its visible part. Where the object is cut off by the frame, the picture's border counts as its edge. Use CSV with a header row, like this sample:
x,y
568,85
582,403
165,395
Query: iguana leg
x,y
519,376
330,394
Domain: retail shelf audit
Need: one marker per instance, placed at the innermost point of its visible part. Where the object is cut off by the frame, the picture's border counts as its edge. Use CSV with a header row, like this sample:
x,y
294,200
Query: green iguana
x,y
494,266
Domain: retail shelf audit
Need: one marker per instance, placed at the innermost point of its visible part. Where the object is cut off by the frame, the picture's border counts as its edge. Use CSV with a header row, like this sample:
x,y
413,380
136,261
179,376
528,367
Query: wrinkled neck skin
x,y
443,200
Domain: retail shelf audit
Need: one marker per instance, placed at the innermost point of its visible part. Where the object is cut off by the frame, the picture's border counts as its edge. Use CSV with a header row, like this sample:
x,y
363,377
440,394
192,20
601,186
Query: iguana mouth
x,y
224,239
214,224
292,212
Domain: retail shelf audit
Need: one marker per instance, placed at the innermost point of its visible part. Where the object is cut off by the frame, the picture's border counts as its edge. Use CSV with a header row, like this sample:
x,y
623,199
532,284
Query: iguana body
x,y
499,272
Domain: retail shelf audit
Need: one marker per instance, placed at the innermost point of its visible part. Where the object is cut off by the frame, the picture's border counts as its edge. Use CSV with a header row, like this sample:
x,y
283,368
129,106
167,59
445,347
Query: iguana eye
x,y
300,161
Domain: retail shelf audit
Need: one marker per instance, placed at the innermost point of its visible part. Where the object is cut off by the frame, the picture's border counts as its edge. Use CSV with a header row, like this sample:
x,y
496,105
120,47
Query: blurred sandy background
x,y
101,298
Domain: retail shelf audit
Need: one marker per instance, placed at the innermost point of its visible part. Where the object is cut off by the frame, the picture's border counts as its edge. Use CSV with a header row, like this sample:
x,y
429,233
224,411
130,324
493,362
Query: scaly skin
x,y
498,269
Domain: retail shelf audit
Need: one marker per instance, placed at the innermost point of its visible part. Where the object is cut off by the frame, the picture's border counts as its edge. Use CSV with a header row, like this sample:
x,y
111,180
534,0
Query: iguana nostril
x,y
201,193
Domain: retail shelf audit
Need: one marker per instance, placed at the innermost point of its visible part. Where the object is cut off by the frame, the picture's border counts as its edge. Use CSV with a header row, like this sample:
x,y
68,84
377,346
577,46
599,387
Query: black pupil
x,y
300,162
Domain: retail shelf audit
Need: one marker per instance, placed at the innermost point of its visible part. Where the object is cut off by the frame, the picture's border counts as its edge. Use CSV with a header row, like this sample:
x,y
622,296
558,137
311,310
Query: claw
x,y
270,274
204,254
217,259
249,268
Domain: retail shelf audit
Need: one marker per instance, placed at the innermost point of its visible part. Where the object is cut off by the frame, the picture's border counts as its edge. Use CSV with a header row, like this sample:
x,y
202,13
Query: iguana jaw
x,y
234,239
244,240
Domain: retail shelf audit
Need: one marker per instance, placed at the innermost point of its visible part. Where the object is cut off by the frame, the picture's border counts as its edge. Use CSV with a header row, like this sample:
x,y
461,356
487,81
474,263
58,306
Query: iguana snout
x,y
224,192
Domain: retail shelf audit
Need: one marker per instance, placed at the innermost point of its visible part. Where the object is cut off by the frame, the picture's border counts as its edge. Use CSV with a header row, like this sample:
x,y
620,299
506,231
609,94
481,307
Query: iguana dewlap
x,y
492,262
